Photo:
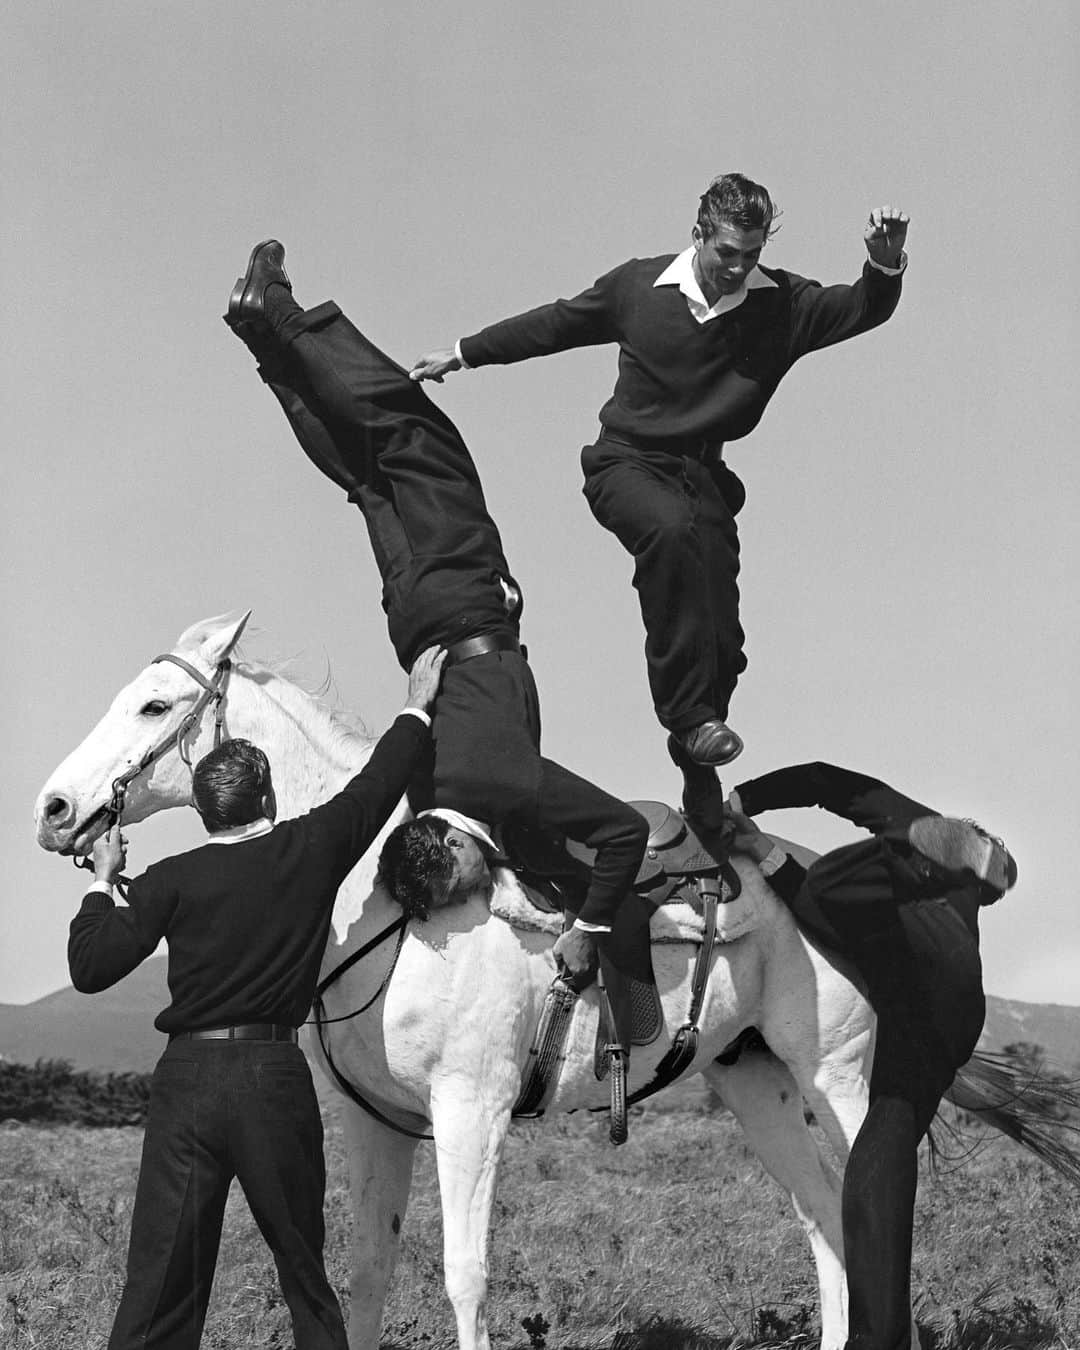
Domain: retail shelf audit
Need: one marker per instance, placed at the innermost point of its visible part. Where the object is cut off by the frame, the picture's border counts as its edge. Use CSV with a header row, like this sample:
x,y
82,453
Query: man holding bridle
x,y
399,458
246,919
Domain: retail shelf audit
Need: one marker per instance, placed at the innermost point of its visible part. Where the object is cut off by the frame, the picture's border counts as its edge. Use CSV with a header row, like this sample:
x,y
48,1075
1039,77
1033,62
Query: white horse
x,y
445,1044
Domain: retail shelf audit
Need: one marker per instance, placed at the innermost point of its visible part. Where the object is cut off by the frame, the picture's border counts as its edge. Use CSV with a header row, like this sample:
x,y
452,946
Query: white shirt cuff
x,y
592,927
105,887
457,352
773,861
890,271
418,712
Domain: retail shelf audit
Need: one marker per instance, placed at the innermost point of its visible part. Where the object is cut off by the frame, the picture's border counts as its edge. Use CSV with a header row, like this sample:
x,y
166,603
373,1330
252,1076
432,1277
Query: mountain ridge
x,y
114,1031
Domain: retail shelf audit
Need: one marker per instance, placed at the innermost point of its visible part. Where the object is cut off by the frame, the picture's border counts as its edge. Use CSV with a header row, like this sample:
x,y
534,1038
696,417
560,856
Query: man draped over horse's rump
x,y
374,432
903,907
705,337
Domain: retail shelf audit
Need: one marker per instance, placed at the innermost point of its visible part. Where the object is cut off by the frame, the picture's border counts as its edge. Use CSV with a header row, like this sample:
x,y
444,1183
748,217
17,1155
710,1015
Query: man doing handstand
x,y
373,431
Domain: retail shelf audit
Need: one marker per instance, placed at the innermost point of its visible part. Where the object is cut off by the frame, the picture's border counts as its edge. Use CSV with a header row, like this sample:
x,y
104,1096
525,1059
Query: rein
x,y
214,690
321,1021
397,926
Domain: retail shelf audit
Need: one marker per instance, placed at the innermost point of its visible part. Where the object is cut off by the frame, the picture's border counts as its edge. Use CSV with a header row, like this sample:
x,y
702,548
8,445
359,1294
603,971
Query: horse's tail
x,y
1035,1108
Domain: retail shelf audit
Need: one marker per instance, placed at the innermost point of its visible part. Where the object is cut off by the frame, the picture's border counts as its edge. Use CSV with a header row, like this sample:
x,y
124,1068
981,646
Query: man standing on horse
x,y
903,908
246,919
400,459
704,336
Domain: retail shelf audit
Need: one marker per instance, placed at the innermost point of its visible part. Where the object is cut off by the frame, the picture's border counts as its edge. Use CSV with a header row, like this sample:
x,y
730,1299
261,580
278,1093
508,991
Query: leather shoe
x,y
964,849
713,742
266,267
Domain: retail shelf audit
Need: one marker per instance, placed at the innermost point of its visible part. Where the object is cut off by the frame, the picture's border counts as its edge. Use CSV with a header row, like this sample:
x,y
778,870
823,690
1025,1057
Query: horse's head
x,y
147,716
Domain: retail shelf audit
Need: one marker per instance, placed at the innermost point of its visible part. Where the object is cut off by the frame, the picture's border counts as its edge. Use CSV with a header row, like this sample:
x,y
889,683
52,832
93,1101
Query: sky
x,y
909,549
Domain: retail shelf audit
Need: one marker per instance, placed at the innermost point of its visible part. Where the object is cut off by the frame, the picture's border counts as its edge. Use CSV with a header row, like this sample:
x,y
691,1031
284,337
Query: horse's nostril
x,y
59,811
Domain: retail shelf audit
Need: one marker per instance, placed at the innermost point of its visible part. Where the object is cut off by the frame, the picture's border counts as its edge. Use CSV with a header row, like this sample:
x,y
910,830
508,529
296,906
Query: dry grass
x,y
677,1241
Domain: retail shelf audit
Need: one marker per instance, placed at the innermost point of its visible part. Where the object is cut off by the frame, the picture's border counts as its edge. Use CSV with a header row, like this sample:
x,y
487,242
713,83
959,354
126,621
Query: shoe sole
x,y
236,297
960,847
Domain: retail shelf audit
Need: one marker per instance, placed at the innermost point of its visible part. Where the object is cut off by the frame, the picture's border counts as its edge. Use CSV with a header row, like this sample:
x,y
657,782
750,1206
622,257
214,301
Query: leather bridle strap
x,y
213,689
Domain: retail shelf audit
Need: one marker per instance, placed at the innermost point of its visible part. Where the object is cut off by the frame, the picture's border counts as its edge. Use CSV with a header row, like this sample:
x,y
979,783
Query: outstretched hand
x,y
434,365
885,235
424,678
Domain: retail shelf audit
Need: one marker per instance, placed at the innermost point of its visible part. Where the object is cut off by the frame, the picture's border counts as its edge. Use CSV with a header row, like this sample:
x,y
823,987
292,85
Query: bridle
x,y
213,691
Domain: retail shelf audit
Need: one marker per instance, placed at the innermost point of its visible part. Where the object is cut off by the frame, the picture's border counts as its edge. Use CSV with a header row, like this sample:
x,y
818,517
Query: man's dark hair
x,y
229,785
739,201
414,858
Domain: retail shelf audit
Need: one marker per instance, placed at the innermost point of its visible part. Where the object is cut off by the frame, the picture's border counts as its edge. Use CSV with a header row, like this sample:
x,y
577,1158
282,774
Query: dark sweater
x,y
679,378
246,923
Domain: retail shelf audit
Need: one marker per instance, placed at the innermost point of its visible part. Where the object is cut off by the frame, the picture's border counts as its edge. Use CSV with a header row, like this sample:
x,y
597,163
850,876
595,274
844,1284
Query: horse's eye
x,y
155,708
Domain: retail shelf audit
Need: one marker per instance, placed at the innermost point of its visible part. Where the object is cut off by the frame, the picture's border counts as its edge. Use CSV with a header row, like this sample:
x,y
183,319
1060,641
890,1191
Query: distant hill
x,y
114,1031
1054,1026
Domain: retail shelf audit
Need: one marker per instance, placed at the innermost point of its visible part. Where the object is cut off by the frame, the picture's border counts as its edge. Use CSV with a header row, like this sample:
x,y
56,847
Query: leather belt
x,y
249,1031
690,447
467,648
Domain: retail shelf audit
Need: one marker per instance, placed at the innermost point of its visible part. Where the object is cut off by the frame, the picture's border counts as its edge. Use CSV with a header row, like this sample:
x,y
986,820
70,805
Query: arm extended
x,y
585,320
825,315
106,942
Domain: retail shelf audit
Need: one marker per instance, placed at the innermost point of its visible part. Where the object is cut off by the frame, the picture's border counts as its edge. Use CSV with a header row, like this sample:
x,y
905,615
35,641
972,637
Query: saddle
x,y
558,869
682,865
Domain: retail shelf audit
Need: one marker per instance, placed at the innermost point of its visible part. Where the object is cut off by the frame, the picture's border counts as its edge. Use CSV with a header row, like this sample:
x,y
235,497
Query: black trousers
x,y
375,433
218,1110
918,951
675,515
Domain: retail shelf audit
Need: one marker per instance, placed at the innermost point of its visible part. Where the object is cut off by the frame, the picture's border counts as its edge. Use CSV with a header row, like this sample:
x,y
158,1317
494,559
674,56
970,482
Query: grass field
x,y
676,1241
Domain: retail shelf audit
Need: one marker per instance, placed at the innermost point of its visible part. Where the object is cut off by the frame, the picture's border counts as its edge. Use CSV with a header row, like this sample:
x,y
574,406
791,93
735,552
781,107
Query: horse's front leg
x,y
380,1172
470,1131
760,1091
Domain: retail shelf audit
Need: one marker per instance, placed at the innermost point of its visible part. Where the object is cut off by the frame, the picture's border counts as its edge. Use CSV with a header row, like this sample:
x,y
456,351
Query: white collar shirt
x,y
238,833
680,272
251,830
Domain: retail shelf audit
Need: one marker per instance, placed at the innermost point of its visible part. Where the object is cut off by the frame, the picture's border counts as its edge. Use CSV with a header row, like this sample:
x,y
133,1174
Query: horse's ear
x,y
233,639
213,638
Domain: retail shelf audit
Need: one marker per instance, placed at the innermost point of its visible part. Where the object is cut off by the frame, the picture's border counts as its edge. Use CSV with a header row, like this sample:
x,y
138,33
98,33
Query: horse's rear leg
x,y
836,1090
760,1091
380,1171
469,1141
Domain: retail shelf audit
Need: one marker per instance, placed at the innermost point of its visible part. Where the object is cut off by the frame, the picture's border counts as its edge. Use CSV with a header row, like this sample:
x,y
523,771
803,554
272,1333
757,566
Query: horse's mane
x,y
345,728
